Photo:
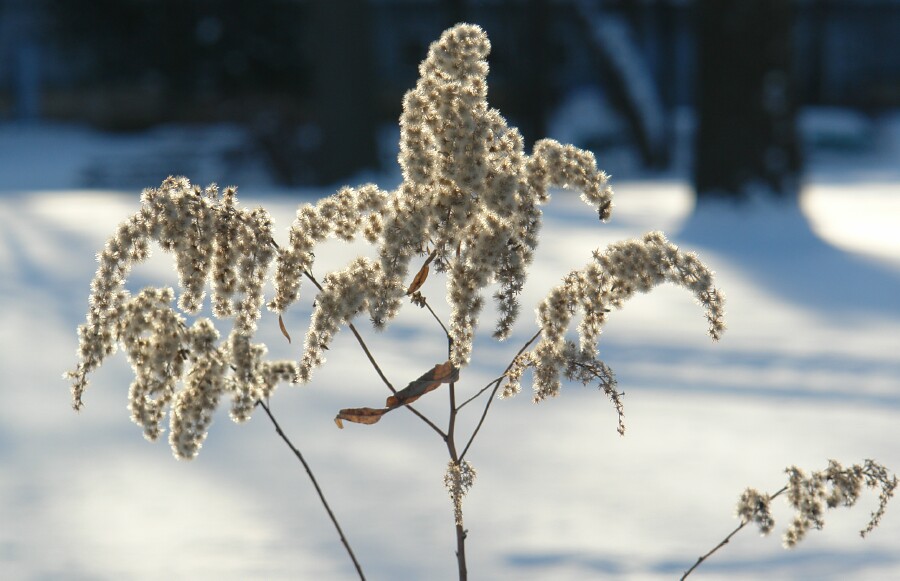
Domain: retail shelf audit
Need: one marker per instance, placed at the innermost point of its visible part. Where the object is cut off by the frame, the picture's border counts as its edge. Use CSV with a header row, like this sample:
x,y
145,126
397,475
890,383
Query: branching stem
x,y
436,318
455,458
724,541
377,367
496,384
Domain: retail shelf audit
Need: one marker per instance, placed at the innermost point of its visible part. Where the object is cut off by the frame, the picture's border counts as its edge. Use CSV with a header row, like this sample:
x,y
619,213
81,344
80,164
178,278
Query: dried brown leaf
x,y
359,416
419,280
283,329
441,373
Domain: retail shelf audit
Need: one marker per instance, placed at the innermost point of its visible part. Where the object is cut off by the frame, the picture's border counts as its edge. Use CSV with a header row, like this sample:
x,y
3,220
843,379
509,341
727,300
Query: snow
x,y
808,370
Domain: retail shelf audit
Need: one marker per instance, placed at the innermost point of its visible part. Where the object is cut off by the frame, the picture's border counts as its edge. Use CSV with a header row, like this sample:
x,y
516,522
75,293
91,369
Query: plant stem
x,y
451,448
454,457
436,318
724,541
377,367
461,552
721,544
365,348
316,486
496,381
496,384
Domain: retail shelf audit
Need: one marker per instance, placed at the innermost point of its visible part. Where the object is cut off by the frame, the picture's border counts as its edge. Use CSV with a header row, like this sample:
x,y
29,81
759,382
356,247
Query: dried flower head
x,y
754,507
832,487
214,242
470,194
811,494
458,479
613,276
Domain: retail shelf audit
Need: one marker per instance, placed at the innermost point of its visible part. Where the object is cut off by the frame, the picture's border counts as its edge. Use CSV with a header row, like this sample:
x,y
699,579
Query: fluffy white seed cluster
x,y
193,407
469,193
754,507
151,333
811,494
98,337
214,241
613,276
458,479
343,215
344,295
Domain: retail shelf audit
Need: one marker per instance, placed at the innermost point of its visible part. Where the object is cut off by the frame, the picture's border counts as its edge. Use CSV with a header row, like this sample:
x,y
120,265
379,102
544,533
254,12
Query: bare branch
x,y
496,384
377,367
315,484
724,541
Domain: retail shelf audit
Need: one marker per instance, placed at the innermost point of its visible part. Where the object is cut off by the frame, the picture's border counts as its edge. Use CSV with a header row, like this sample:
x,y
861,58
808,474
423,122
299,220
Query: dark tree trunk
x,y
456,11
746,102
535,80
344,95
628,80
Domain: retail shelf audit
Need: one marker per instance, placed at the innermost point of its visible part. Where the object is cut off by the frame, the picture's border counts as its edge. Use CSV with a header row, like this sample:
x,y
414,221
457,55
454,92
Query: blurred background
x,y
752,82
762,134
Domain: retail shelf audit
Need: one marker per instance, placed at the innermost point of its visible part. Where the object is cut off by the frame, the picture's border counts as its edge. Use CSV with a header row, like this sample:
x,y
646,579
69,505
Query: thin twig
x,y
436,318
496,384
724,541
490,384
461,532
315,485
370,357
451,424
421,416
377,367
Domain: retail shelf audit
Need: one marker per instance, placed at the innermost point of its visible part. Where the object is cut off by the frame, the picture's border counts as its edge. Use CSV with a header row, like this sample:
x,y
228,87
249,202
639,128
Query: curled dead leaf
x,y
359,416
419,280
441,373
283,329
420,277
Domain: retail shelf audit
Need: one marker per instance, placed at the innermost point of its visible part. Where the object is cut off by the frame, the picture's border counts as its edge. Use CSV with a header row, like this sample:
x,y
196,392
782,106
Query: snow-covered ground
x,y
808,370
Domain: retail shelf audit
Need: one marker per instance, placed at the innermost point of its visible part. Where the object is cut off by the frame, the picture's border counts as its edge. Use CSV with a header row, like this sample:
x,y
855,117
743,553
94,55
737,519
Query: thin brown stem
x,y
371,358
315,484
496,381
436,318
454,457
451,424
496,384
461,552
481,391
724,541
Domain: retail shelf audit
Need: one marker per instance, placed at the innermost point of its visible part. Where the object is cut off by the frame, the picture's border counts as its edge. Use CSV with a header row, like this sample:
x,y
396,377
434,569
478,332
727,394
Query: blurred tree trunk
x,y
535,79
626,77
176,54
344,85
456,9
746,103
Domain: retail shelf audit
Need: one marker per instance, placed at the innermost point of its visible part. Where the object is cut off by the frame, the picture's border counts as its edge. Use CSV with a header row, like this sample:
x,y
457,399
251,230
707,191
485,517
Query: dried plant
x,y
469,207
809,496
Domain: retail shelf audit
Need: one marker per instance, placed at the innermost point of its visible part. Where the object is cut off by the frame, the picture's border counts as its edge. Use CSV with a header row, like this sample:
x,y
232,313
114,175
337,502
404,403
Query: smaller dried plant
x,y
809,496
